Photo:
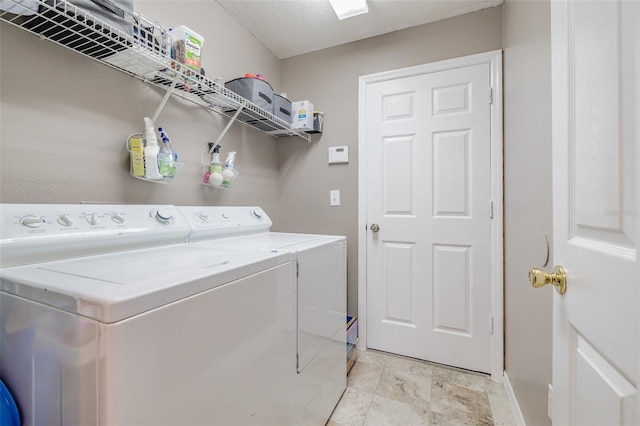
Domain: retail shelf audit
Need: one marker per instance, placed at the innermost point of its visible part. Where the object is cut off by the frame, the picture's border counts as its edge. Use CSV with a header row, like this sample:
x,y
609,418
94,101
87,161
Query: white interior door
x,y
428,174
595,178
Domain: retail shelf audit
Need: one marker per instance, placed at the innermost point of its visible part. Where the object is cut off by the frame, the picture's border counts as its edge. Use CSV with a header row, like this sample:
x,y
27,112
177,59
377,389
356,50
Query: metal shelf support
x,y
226,128
165,99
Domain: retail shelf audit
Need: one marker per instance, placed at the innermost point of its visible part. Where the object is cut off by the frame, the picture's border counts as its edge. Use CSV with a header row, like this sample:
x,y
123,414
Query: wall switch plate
x,y
334,197
338,154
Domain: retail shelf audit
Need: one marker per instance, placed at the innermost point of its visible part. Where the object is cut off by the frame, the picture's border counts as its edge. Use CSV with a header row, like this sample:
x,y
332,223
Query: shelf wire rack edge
x,y
143,55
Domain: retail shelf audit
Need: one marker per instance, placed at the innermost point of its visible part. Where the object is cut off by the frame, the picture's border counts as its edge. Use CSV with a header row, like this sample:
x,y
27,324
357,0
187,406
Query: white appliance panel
x,y
50,362
31,233
115,286
241,372
321,298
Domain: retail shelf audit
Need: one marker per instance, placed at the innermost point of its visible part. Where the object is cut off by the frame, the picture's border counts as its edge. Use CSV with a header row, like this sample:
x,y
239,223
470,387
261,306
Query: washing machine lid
x,y
275,240
113,287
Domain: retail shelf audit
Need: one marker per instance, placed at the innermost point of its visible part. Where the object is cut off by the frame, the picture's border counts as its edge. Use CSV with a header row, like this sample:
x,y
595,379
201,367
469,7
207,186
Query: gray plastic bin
x,y
282,108
256,91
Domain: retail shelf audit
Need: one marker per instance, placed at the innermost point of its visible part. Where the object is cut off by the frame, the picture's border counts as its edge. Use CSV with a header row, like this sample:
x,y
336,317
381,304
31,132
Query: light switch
x,y
338,154
334,197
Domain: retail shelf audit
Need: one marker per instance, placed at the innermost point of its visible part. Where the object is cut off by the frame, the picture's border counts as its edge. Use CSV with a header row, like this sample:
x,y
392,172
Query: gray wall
x,y
329,78
528,214
65,119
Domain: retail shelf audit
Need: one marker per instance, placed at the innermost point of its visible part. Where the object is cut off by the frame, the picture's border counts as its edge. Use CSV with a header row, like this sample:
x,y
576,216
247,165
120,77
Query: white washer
x,y
321,297
107,317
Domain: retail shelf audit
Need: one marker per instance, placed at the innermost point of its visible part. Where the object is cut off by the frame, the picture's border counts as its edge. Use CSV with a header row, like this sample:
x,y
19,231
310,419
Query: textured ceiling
x,y
293,27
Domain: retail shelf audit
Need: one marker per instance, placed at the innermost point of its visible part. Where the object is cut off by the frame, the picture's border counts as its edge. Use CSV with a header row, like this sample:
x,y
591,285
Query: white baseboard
x,y
514,402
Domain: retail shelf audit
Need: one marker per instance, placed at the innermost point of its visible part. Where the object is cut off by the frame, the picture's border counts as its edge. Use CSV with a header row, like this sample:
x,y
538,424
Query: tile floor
x,y
386,389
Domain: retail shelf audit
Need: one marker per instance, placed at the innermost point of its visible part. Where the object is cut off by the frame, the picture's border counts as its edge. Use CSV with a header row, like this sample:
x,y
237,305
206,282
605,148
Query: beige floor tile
x,y
391,390
469,380
387,412
352,408
501,410
364,376
398,363
460,403
406,387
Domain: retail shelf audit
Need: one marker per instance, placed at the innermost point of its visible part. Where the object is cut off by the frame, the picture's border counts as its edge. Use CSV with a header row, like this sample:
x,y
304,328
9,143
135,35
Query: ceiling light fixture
x,y
349,8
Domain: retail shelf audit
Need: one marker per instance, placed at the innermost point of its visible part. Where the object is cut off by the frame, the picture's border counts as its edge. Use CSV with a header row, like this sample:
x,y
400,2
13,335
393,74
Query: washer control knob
x,y
64,220
257,213
117,218
203,217
163,216
92,219
32,221
225,216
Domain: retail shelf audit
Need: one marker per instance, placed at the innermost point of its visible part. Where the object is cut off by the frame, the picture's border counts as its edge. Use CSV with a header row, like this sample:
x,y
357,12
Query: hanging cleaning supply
x,y
215,168
229,174
165,160
137,155
167,157
230,162
151,149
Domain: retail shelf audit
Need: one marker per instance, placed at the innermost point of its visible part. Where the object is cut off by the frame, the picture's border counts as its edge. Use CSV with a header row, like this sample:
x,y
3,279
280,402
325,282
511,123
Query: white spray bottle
x,y
151,149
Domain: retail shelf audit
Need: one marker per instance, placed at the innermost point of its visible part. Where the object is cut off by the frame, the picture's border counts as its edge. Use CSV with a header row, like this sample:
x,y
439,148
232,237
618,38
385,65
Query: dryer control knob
x,y
257,213
117,219
32,221
163,216
64,220
92,219
203,217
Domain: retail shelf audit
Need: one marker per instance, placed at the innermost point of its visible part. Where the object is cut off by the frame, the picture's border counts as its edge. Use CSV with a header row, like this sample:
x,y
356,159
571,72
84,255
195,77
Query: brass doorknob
x,y
558,278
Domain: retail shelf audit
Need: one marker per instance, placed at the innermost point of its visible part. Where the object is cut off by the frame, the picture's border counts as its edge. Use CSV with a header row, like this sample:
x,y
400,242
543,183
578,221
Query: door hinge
x,y
490,95
491,324
491,210
297,269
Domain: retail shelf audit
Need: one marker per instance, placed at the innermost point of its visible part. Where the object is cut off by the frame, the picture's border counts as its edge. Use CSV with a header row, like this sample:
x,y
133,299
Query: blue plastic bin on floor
x,y
9,415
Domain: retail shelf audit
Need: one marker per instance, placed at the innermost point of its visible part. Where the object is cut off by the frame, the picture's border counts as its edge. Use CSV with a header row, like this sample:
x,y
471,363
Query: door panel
x,y
398,283
451,173
451,288
397,175
429,189
596,333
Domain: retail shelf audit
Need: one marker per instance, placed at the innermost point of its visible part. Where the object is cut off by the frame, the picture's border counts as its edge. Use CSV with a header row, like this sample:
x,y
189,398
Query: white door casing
x,y
596,339
430,140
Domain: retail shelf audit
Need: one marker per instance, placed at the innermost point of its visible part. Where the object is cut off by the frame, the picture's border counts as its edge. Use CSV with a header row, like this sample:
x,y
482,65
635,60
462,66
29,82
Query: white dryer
x,y
108,317
321,297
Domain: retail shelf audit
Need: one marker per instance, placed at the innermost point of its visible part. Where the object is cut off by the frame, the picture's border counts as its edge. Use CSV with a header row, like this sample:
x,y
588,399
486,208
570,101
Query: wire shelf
x,y
142,52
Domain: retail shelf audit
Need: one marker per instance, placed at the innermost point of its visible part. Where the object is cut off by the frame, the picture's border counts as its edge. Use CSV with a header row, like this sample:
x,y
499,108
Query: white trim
x,y
494,58
517,413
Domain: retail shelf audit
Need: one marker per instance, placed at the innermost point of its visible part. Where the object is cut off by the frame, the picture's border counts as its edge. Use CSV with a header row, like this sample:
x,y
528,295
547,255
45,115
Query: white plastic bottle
x,y
228,173
151,149
215,168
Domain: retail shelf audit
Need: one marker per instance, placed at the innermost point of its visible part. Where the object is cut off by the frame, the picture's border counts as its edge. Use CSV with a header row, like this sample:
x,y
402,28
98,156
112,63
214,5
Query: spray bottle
x,y
166,160
151,150
215,168
229,174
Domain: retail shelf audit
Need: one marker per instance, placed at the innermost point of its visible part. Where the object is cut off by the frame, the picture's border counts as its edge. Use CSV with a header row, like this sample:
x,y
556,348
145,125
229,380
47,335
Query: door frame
x,y
494,59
